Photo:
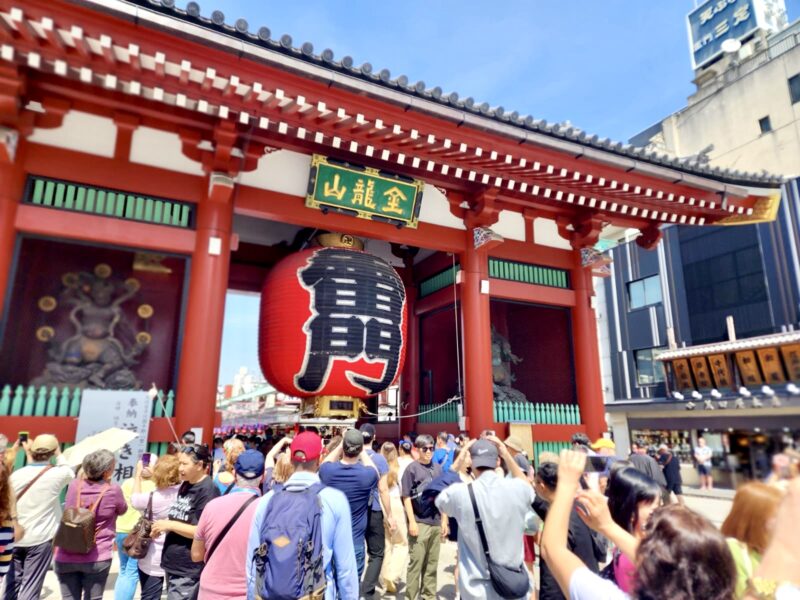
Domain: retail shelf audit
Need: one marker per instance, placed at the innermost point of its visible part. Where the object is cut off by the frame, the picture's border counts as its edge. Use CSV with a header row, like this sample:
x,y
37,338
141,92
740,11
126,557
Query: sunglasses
x,y
427,448
200,452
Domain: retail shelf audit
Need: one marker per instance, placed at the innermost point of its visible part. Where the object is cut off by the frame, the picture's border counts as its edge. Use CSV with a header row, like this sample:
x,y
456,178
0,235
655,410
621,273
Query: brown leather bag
x,y
77,530
138,541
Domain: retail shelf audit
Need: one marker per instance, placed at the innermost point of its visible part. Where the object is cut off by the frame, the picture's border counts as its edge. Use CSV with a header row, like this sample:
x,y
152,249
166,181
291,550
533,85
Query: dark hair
x,y
581,438
547,473
42,455
683,557
5,495
627,488
199,453
188,437
423,440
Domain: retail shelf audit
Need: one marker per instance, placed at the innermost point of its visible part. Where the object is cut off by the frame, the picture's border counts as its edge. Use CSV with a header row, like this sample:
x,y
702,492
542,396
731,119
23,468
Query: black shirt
x,y
579,540
672,468
176,559
415,479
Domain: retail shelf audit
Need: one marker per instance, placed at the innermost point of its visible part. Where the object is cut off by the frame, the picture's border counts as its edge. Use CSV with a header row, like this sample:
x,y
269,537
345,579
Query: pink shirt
x,y
163,499
625,571
110,507
224,576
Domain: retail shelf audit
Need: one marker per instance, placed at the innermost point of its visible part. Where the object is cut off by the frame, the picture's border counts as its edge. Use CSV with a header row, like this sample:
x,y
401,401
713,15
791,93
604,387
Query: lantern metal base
x,y
334,407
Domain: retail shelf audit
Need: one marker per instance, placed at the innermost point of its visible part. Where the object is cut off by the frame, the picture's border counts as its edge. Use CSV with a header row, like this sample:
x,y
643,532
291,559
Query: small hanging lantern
x,y
332,327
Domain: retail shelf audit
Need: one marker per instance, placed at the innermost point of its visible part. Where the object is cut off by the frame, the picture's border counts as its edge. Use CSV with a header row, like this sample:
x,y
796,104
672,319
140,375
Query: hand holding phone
x,y
596,464
146,459
23,436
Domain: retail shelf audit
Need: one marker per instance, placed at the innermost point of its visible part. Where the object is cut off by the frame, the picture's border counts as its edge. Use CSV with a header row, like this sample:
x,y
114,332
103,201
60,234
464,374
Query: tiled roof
x,y
764,341
326,59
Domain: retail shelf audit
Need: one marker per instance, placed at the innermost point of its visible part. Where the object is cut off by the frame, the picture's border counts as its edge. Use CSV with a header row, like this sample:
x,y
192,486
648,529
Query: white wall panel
x,y
82,132
161,149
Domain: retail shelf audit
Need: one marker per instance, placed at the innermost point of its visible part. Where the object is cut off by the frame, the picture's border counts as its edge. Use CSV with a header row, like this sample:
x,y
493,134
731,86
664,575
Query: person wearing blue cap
x,y
223,531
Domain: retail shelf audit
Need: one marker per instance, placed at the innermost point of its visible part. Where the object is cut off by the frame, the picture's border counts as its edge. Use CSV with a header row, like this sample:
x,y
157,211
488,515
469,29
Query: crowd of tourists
x,y
342,517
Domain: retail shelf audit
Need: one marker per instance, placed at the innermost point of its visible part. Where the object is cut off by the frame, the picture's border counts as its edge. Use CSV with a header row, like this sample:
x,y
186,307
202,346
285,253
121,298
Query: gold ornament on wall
x,y
45,334
145,311
70,280
103,271
144,338
132,284
151,263
47,304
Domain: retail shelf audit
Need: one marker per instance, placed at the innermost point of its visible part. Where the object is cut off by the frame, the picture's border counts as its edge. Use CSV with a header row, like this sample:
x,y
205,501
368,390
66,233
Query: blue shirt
x,y
337,539
383,469
357,482
444,457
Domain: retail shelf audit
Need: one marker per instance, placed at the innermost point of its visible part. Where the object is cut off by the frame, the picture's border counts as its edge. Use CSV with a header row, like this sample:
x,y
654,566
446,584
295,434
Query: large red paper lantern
x,y
332,323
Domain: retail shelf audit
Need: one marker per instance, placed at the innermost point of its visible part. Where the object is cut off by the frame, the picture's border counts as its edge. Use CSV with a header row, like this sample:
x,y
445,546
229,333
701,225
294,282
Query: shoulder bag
x,y
230,524
508,582
32,481
138,541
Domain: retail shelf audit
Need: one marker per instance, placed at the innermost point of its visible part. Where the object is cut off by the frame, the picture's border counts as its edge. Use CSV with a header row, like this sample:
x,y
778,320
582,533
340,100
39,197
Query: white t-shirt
x,y
403,461
585,585
39,510
703,455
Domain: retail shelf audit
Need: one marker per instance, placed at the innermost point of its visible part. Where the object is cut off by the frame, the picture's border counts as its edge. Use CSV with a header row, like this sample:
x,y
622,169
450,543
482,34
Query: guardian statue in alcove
x,y
95,356
502,360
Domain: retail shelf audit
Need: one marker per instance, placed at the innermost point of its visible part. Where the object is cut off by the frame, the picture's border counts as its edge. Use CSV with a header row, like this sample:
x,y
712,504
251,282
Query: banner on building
x,y
715,21
103,409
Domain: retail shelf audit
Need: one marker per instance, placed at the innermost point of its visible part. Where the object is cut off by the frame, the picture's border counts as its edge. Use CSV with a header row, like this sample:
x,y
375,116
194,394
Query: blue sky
x,y
610,67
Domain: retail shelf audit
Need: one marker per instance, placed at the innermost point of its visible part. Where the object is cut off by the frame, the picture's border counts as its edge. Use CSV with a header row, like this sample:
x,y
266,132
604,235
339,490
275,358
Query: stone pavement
x,y
714,506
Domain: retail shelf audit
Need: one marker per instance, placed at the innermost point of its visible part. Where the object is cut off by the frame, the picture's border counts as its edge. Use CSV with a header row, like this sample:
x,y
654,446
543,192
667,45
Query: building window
x,y
649,370
794,88
644,292
765,125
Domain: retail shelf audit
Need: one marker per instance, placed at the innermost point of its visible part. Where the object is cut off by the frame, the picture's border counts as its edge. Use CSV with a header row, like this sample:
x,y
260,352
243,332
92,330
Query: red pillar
x,y
202,336
409,383
12,181
586,352
476,328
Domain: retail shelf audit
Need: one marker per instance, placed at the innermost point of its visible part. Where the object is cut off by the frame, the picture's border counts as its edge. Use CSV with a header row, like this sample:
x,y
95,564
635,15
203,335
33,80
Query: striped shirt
x,y
6,546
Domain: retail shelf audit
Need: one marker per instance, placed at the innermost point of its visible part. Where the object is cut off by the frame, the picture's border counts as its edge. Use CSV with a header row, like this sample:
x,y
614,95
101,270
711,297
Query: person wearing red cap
x,y
337,532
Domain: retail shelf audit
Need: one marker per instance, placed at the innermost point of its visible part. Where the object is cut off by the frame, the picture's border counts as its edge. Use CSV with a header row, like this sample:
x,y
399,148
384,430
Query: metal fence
x,y
508,412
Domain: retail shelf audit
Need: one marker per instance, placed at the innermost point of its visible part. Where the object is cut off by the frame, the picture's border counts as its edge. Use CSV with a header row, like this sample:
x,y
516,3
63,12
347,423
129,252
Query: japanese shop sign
x,y
102,409
363,192
715,21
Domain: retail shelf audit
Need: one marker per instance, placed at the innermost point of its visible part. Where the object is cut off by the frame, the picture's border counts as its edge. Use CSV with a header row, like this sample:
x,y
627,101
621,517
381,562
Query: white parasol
x,y
112,439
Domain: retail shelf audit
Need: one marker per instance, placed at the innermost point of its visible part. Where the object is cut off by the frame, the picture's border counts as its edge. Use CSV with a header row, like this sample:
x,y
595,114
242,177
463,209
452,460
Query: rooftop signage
x,y
715,21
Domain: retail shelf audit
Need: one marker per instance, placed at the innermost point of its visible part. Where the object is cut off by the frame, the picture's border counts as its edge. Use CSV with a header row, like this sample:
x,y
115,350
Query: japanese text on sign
x,y
364,193
351,318
716,21
101,410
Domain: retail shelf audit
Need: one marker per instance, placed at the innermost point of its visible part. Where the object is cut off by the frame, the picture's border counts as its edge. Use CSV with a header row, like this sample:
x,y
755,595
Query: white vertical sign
x,y
103,409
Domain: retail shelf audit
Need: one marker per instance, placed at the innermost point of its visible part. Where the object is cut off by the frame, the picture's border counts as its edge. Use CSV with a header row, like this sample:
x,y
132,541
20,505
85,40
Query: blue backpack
x,y
289,563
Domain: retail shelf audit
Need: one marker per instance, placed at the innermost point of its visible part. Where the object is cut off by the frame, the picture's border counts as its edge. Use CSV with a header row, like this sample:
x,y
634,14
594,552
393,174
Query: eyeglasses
x,y
427,448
